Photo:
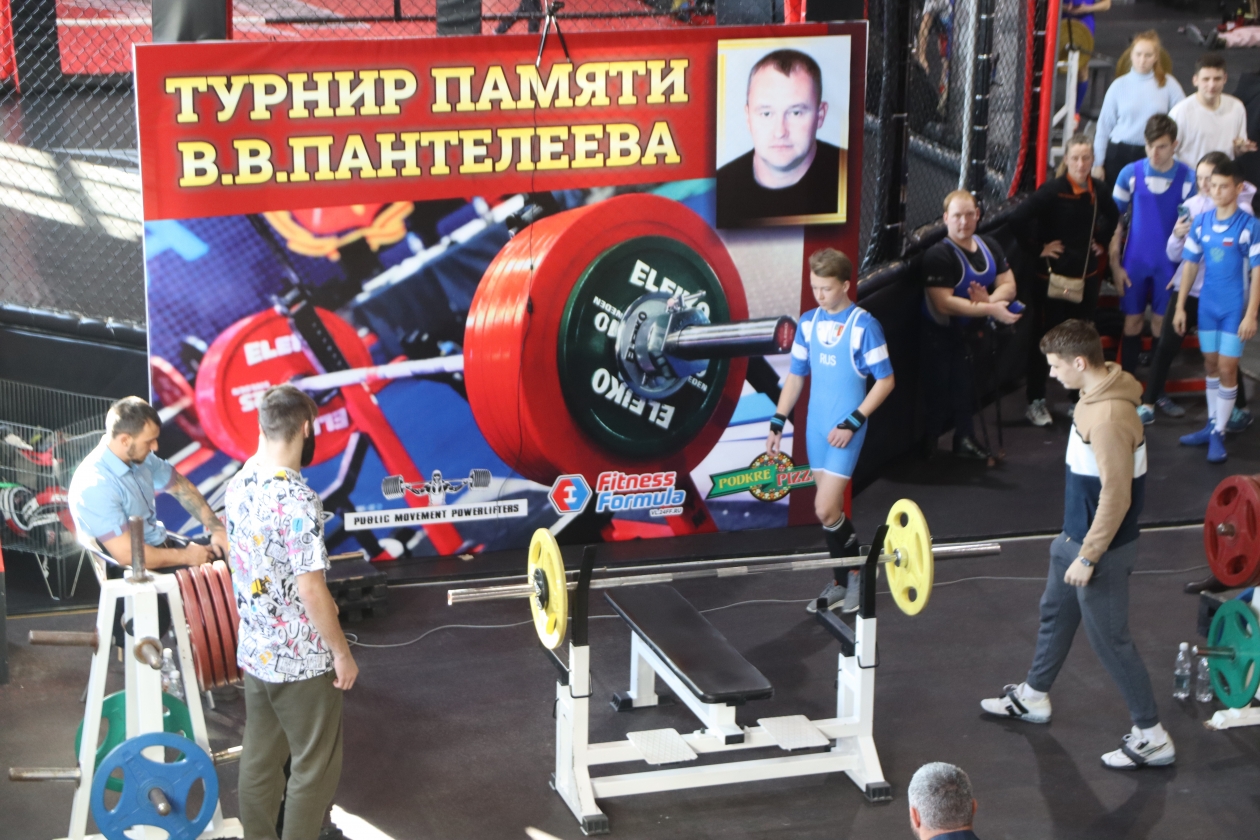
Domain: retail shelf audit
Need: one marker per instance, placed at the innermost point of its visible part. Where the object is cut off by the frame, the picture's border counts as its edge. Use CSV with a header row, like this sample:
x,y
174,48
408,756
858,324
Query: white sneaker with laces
x,y
1137,752
1038,414
1012,704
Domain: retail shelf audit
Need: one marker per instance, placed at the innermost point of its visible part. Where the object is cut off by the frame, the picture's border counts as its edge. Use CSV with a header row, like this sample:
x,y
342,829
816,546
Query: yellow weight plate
x,y
550,602
910,564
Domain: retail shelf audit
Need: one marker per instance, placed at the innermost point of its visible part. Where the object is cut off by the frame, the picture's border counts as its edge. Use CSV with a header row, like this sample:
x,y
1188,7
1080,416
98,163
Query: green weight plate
x,y
1235,680
175,719
598,400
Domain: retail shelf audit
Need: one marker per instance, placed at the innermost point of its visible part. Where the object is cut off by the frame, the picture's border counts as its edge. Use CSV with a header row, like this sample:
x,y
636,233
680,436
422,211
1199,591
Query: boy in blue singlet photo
x,y
1226,241
1156,187
839,344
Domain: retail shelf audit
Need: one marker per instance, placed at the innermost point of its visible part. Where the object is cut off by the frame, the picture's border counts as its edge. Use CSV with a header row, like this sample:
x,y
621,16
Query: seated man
x,y
120,479
942,806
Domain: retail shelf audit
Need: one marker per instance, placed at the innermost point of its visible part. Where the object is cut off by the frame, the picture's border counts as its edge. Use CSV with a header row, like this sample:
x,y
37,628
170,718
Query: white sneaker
x,y
833,594
1137,752
1012,705
1038,414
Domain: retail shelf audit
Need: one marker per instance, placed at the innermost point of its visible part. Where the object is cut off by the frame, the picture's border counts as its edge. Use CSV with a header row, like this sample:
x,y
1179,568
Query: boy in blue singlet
x,y
1156,186
1226,241
839,344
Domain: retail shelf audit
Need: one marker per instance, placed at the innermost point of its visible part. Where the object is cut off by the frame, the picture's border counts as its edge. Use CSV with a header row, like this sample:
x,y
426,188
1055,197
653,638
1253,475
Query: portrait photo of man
x,y
792,109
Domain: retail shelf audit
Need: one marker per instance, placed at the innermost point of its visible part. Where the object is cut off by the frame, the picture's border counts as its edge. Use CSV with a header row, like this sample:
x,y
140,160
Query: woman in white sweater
x,y
1132,99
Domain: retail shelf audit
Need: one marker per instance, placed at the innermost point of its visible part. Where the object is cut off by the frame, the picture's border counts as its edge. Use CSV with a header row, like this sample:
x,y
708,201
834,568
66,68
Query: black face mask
x,y
308,450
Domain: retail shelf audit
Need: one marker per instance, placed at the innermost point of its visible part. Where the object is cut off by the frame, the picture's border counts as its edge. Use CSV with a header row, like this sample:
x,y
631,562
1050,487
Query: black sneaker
x,y
970,449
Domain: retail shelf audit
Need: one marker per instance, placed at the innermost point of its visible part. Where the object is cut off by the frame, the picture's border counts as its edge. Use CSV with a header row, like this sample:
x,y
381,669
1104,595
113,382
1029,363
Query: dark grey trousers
x,y
1104,604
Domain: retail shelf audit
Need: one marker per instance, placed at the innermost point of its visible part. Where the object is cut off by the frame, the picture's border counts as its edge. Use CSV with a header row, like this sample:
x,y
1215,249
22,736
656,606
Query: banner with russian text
x,y
526,288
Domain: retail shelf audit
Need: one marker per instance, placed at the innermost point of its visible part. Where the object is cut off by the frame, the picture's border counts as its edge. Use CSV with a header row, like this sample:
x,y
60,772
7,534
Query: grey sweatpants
x,y
1104,604
299,719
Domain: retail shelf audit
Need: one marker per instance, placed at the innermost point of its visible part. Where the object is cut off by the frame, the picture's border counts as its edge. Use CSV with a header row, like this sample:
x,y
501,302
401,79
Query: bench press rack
x,y
673,642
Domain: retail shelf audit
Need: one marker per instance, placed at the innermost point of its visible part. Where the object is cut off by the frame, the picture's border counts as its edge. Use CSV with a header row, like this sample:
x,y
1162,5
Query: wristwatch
x,y
1085,561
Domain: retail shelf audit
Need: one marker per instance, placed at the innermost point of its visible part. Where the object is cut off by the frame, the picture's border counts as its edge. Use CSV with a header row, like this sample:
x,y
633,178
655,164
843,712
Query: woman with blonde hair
x,y
1132,99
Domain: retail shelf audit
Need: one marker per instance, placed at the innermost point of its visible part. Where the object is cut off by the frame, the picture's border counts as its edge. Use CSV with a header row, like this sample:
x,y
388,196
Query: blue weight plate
x,y
141,775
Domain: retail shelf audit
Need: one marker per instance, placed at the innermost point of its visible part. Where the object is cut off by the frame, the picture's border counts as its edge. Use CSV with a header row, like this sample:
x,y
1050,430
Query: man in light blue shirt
x,y
121,477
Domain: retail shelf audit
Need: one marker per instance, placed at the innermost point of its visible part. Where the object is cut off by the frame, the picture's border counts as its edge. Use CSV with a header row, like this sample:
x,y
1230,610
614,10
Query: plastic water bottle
x,y
172,682
1181,673
1203,682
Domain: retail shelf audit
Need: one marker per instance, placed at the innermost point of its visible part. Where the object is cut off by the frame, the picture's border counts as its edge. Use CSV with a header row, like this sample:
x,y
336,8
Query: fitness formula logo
x,y
569,494
653,492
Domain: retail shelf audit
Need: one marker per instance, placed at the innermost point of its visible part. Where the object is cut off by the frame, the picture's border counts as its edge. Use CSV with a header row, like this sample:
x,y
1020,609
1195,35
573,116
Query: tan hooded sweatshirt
x,y
1106,466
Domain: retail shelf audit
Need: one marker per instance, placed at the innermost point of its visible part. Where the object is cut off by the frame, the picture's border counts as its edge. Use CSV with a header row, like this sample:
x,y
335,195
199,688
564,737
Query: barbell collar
x,y
1215,652
45,774
64,638
758,337
159,801
1226,529
731,568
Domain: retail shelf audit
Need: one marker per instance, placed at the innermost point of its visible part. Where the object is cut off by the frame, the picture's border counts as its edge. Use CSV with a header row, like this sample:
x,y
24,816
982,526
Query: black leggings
x,y
949,382
1166,351
1048,313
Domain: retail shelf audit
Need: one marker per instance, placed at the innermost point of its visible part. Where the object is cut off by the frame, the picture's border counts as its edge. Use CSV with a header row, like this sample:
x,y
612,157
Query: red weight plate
x,y
214,647
1231,531
510,341
227,639
254,354
171,390
196,628
226,574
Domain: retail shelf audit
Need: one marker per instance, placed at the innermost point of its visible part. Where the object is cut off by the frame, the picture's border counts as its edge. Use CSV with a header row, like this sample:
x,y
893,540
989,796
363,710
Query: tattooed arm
x,y
190,498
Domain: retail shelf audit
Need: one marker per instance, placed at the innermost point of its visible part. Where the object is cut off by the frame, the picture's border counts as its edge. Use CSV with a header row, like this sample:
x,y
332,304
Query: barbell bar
x,y
730,567
74,774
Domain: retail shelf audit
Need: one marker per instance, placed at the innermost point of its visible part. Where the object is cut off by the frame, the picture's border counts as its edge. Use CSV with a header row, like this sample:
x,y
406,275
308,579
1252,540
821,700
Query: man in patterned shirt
x,y
295,658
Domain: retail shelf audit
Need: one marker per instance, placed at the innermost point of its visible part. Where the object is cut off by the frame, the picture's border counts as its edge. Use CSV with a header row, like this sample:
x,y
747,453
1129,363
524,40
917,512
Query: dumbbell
x,y
611,337
394,487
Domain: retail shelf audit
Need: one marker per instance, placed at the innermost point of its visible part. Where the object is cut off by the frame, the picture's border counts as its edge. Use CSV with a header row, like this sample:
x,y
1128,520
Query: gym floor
x,y
451,735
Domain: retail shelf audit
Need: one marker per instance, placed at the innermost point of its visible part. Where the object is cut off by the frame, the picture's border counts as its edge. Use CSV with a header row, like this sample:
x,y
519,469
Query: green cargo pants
x,y
298,719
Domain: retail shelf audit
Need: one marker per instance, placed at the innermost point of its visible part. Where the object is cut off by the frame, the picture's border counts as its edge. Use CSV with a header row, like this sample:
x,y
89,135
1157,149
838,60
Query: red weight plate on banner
x,y
214,644
196,629
227,637
511,339
251,356
1231,531
172,391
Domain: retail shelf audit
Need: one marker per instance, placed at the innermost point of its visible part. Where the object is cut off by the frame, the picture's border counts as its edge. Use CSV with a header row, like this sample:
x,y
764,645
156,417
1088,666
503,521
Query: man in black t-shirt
x,y
968,282
788,172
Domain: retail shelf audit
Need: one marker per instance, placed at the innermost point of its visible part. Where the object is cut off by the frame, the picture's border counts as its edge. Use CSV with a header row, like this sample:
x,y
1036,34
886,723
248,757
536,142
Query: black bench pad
x,y
692,647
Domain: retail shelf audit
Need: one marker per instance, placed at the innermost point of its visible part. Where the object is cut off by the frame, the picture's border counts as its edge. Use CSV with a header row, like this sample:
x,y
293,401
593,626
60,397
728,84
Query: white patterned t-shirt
x,y
275,527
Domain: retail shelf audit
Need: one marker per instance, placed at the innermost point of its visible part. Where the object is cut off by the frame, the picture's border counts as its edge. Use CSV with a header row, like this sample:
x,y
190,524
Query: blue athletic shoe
x,y
1216,448
1239,420
1146,414
1199,438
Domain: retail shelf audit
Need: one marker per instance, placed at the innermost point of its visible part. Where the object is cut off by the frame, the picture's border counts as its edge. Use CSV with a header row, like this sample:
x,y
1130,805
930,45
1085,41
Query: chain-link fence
x,y
70,214
934,47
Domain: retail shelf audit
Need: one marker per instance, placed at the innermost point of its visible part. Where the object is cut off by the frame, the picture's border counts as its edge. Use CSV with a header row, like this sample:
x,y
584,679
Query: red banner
x,y
245,127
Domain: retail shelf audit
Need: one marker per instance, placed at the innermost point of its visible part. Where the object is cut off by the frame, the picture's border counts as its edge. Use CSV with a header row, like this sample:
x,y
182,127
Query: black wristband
x,y
853,422
776,423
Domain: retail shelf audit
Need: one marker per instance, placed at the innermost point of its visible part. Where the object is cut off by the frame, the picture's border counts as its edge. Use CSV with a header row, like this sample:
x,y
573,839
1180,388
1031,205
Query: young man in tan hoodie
x,y
1090,562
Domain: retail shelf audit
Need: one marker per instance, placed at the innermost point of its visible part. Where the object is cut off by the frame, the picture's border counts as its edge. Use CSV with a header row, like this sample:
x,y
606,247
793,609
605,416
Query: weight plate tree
x,y
540,346
1231,531
175,719
254,354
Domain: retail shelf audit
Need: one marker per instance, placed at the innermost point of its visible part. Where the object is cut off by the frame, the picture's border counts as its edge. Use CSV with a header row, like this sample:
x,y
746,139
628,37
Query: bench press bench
x,y
673,642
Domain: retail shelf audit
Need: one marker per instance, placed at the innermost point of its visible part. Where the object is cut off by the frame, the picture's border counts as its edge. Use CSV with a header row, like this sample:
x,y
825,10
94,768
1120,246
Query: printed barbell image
x,y
395,487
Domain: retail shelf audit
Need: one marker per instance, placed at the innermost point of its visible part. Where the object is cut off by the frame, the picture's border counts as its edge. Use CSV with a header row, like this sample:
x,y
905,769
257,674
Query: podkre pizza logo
x,y
569,494
653,492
